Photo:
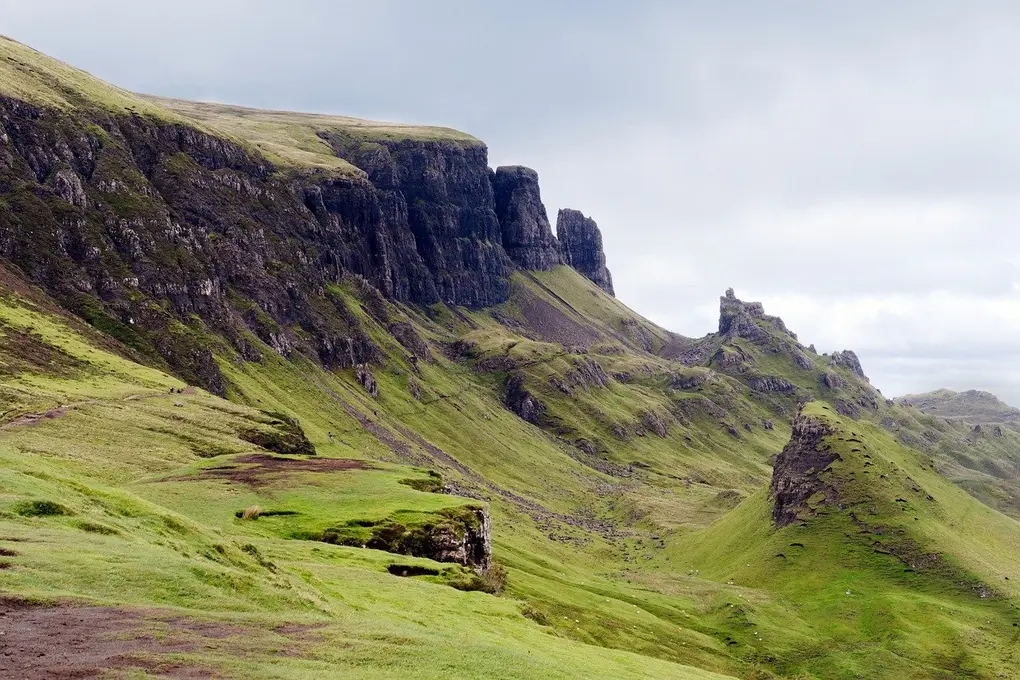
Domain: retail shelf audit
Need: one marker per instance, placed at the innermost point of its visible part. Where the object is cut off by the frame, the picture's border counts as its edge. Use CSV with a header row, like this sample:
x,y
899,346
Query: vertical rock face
x,y
581,243
437,201
795,475
526,234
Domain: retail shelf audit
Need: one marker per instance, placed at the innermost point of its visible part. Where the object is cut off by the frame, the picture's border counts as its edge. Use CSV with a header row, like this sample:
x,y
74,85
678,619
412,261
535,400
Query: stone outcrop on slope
x,y
795,475
581,243
437,201
848,359
739,319
526,234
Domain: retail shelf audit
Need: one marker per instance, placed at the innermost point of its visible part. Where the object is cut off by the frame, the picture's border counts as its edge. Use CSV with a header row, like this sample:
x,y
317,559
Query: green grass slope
x,y
903,574
113,494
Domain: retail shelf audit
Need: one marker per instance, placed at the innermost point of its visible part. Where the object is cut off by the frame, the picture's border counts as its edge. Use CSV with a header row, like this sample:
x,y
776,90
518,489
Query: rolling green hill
x,y
263,419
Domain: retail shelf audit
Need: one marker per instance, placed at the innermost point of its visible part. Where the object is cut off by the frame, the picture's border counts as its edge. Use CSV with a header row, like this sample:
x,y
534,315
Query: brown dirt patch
x,y
36,418
259,469
73,641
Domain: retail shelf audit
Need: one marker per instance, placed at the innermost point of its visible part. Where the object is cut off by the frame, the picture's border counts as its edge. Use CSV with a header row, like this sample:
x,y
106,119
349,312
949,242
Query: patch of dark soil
x,y
411,570
36,418
83,642
7,552
262,468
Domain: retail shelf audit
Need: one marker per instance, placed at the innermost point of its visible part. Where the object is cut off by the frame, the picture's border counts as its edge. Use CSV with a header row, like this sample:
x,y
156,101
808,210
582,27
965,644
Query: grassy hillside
x,y
118,493
904,573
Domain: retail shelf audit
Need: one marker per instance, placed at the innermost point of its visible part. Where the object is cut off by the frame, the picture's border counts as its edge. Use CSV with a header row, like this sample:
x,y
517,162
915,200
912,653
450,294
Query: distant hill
x,y
972,406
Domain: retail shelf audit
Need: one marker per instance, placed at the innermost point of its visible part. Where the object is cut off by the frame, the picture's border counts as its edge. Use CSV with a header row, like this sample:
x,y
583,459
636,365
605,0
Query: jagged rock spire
x,y
581,243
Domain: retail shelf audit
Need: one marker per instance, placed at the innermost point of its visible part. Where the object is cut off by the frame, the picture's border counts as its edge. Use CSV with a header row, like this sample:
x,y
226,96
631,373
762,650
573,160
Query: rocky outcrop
x,y
848,359
526,234
462,535
436,199
363,374
796,473
519,400
771,383
581,243
748,320
833,381
160,234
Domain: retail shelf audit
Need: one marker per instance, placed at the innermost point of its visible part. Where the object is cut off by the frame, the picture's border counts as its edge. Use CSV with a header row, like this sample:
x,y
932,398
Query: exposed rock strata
x,y
848,359
742,319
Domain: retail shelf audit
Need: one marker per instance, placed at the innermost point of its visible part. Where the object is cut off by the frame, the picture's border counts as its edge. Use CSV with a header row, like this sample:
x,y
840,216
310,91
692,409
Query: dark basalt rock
x,y
363,374
848,360
746,320
833,381
519,400
795,475
581,243
436,198
526,234
771,383
460,535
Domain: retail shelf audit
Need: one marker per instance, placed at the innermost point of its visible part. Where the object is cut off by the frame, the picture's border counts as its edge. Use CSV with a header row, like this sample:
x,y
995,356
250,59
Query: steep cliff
x,y
527,235
438,202
581,242
159,221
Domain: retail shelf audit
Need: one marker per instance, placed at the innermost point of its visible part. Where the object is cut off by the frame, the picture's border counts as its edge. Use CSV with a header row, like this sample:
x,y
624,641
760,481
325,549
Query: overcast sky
x,y
853,165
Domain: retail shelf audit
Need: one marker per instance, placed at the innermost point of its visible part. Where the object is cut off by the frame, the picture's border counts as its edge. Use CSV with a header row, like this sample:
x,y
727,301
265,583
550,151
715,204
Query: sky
x,y
854,166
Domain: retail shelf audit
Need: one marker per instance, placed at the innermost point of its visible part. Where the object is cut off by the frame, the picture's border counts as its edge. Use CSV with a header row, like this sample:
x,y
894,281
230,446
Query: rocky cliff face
x,y
157,232
437,202
526,234
581,243
796,473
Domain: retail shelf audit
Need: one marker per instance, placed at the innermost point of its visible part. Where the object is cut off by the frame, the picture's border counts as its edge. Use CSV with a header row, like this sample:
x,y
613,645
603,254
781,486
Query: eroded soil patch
x,y
73,641
78,641
259,469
